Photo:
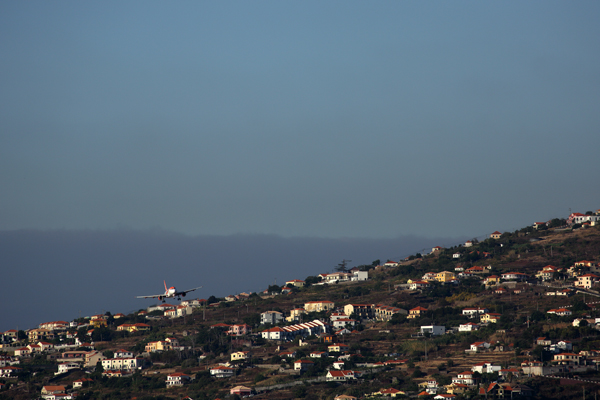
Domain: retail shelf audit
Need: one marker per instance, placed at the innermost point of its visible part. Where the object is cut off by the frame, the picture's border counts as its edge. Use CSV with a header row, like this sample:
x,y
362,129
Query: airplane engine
x,y
160,298
182,294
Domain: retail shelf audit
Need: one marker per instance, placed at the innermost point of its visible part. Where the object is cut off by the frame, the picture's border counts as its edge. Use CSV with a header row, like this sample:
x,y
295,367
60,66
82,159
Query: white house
x,y
271,317
360,276
222,372
468,327
479,346
485,368
433,330
344,375
119,364
66,367
474,311
465,378
177,379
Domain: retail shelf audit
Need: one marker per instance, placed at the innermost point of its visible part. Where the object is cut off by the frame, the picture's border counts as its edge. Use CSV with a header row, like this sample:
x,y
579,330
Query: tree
x,y
274,289
311,280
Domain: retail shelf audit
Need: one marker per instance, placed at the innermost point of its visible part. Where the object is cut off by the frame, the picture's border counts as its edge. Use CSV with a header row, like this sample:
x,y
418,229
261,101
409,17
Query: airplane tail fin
x,y
165,282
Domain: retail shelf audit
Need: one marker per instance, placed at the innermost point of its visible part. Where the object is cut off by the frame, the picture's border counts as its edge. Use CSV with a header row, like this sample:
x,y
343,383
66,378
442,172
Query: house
x,y
241,391
222,372
491,317
271,317
419,285
491,280
91,358
478,347
23,352
386,313
121,353
360,276
514,276
315,327
287,354
587,281
344,375
127,364
465,378
82,382
337,348
303,365
389,392
99,320
63,368
138,327
562,312
445,276
54,325
485,368
469,243
177,379
565,345
52,389
365,311
433,330
390,264
578,218
318,306
159,345
429,276
547,273
295,283
241,355
239,330
496,235
567,359
444,396
9,371
36,335
474,311
476,269
501,290
543,341
117,373
416,312
319,354
456,255
456,388
275,333
513,371
436,249
343,322
339,364
538,225
335,277
430,386
295,314
468,327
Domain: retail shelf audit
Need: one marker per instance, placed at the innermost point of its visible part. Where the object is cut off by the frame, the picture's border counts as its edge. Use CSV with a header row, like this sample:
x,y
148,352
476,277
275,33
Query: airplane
x,y
169,293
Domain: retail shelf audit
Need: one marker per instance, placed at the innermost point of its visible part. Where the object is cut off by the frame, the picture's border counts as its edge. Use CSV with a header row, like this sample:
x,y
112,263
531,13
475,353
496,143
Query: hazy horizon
x,y
56,275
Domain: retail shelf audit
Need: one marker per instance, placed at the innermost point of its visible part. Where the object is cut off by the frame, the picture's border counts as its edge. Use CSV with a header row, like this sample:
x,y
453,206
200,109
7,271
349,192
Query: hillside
x,y
460,276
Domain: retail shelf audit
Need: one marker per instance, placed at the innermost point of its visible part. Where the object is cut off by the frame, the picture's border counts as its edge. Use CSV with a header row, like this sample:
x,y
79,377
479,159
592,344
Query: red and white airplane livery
x,y
169,293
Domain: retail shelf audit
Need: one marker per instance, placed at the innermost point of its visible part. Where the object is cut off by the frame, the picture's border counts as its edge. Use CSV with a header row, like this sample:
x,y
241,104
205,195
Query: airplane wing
x,y
149,297
186,291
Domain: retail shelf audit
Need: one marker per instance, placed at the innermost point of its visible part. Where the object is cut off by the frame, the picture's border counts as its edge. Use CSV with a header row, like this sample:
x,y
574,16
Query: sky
x,y
328,119
296,120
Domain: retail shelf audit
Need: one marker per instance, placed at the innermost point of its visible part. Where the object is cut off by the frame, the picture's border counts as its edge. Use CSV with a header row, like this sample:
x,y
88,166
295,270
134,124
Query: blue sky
x,y
313,119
